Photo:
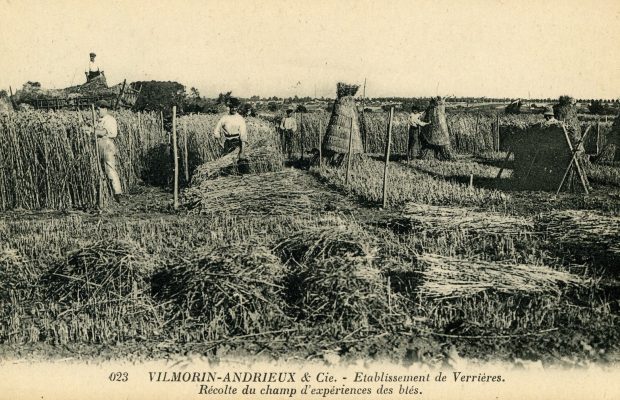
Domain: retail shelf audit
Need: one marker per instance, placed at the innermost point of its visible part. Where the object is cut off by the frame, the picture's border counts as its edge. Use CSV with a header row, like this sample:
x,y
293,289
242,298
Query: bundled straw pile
x,y
435,135
18,279
585,235
48,161
225,291
289,192
439,218
103,294
446,277
205,152
343,123
336,280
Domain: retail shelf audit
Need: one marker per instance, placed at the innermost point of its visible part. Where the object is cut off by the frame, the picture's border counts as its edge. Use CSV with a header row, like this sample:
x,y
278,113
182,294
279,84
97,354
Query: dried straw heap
x,y
584,236
18,296
336,280
449,277
435,135
344,122
262,153
439,219
102,293
225,291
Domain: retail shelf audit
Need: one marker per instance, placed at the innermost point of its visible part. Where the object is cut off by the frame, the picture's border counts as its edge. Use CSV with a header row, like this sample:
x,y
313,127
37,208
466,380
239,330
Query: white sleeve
x,y
218,127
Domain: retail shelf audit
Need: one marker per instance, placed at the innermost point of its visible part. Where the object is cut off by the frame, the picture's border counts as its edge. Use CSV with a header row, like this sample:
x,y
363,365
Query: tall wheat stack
x,y
48,159
469,133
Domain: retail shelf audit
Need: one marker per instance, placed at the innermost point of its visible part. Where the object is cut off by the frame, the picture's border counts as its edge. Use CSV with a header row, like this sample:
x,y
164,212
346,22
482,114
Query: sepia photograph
x,y
309,199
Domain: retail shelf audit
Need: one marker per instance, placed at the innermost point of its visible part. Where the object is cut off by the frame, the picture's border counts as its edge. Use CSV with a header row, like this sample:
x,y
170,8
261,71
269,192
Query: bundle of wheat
x,y
288,192
48,159
102,294
224,291
584,236
336,280
343,128
445,277
440,218
263,156
18,295
205,152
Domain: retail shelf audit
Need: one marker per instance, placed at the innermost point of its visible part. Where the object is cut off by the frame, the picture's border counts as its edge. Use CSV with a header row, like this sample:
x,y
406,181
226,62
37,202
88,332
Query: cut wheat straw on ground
x,y
454,277
439,218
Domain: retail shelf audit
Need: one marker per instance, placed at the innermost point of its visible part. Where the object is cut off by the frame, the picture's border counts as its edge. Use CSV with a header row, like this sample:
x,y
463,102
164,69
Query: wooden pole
x,y
346,180
185,155
497,132
99,169
321,135
301,132
598,136
364,118
175,152
387,158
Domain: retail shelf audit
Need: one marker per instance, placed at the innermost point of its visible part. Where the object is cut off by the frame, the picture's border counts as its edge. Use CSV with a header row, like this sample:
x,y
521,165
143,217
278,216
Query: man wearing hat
x,y
93,68
288,127
549,116
231,130
106,130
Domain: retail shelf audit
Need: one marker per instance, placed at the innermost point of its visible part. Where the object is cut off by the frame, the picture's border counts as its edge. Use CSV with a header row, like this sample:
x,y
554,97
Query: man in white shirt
x,y
288,127
231,130
106,130
414,122
93,68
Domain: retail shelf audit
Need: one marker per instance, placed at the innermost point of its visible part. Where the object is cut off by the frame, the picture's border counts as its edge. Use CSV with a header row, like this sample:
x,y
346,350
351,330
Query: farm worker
x,y
231,129
414,121
106,130
549,116
288,127
93,68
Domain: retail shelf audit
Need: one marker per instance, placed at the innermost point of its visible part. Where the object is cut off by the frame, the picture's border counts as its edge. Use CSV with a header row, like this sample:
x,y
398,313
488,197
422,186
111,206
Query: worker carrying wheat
x,y
414,121
231,130
106,130
288,127
93,68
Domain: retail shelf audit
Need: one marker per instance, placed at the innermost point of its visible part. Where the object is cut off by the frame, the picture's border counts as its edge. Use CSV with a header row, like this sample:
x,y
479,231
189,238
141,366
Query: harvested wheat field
x,y
301,262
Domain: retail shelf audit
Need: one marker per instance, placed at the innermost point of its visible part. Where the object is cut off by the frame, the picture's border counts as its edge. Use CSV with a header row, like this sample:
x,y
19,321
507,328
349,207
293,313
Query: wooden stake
x,y
471,180
574,160
320,142
598,136
364,118
497,132
99,169
185,155
387,157
346,179
301,131
175,152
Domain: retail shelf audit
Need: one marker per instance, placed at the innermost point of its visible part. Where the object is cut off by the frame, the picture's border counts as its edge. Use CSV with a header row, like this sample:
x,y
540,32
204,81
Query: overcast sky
x,y
542,48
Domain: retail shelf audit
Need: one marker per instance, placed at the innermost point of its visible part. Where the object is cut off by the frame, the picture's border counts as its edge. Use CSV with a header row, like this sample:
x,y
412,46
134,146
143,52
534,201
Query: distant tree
x,y
159,96
272,106
223,98
301,109
3,94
